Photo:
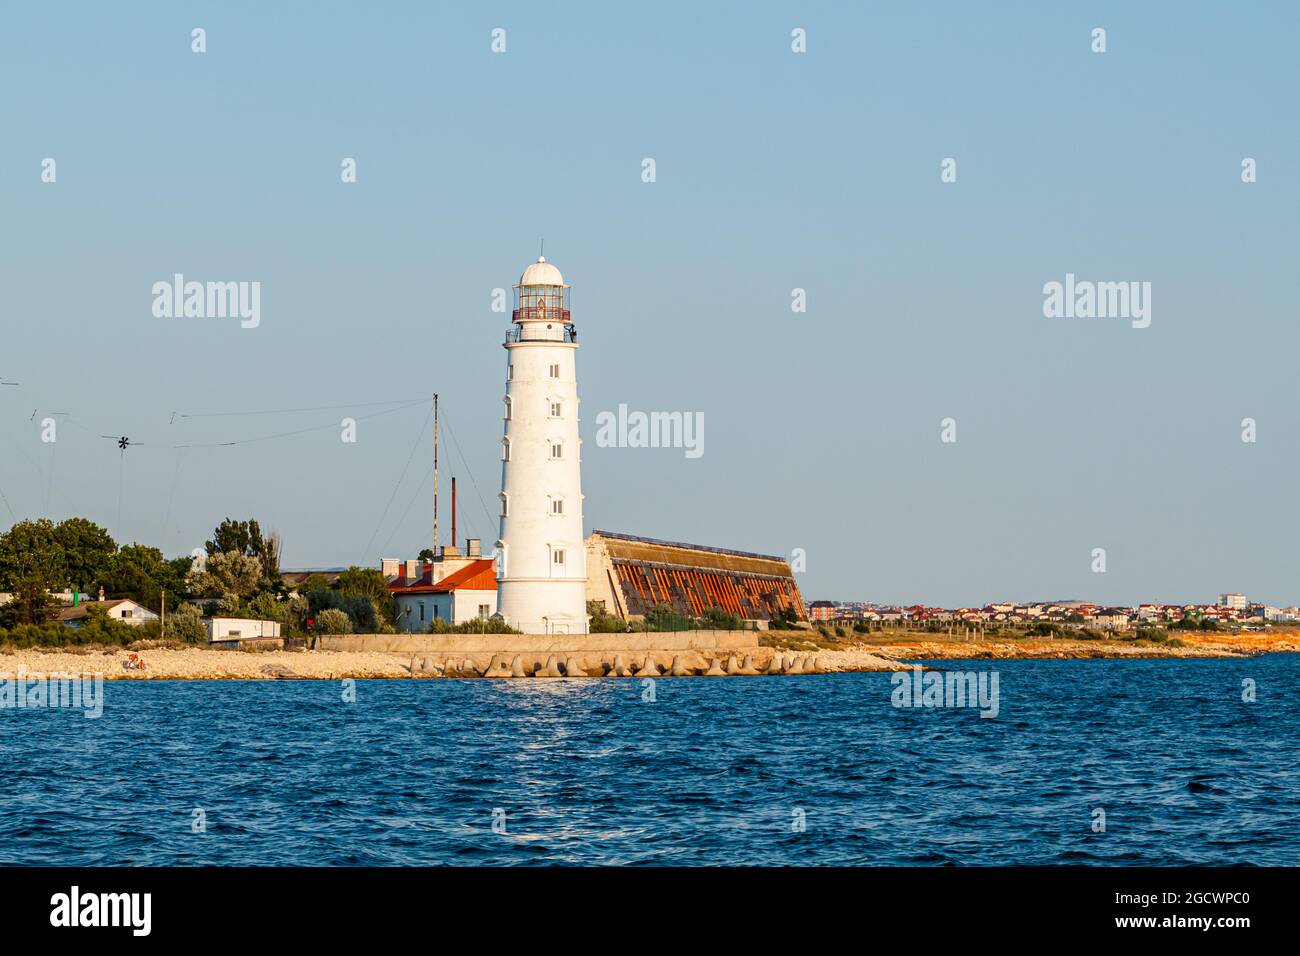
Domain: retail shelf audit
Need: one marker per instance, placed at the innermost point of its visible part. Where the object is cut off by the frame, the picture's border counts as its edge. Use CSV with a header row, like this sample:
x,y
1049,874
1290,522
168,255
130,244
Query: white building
x,y
221,629
124,610
467,594
541,556
1236,602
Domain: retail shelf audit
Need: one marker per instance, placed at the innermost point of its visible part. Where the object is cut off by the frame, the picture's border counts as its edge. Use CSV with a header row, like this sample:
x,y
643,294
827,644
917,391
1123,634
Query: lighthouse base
x,y
544,605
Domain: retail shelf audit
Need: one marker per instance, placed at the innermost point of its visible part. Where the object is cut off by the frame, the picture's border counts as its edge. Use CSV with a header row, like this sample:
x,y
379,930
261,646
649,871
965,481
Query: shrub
x,y
784,621
334,621
479,625
185,623
715,618
663,617
602,622
37,635
359,608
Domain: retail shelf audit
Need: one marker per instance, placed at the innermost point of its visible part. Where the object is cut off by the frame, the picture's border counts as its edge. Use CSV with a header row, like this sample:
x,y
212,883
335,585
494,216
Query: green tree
x,y
313,582
265,607
32,547
369,583
142,574
244,537
294,613
88,551
227,572
31,603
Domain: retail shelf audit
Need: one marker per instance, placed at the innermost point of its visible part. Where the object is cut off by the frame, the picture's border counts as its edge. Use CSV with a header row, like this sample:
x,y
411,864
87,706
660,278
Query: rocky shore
x,y
201,663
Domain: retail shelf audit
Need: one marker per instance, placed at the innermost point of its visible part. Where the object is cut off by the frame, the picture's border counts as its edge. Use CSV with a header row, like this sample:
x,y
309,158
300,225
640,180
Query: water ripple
x,y
775,771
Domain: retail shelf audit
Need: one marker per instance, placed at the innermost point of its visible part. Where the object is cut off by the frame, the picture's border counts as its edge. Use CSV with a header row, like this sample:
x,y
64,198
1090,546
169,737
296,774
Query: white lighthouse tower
x,y
541,558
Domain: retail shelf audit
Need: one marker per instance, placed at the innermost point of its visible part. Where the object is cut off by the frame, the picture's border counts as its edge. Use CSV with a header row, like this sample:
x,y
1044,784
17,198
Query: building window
x,y
557,556
421,610
557,506
510,373
557,450
505,449
484,610
505,505
509,403
556,409
555,371
126,613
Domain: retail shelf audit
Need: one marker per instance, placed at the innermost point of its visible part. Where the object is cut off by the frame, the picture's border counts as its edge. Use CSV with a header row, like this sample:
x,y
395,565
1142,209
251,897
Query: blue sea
x,y
806,770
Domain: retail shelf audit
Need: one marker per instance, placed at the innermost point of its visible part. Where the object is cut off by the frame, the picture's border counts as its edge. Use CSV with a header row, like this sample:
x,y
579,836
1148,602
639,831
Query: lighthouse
x,y
541,558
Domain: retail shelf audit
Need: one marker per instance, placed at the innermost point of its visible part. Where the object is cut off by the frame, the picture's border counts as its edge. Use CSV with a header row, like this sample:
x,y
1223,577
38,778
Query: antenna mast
x,y
435,476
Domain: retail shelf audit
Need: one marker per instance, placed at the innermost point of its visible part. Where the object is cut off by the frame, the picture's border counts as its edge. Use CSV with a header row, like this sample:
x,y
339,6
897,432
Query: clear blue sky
x,y
775,171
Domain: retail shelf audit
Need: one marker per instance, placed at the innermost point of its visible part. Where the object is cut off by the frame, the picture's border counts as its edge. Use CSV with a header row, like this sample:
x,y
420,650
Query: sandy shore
x,y
200,663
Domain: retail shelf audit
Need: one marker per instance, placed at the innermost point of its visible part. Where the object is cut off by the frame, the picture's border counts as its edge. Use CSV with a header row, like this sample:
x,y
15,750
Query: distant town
x,y
1231,610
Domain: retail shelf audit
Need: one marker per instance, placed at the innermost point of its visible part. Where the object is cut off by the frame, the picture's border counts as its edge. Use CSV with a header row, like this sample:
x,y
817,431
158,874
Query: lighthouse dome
x,y
541,272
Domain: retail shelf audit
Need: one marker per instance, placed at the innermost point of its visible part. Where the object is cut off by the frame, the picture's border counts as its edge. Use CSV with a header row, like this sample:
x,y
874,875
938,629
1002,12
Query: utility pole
x,y
435,476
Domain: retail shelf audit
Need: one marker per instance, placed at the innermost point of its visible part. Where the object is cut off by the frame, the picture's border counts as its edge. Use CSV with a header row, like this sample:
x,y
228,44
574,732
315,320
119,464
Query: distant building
x,y
124,610
1111,619
1235,601
821,611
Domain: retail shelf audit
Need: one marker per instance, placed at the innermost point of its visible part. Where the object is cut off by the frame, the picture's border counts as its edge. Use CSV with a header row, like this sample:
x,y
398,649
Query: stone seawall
x,y
555,655
583,644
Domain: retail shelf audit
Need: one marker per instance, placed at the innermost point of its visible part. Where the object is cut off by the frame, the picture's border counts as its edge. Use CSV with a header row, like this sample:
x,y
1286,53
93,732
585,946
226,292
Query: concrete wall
x,y
602,644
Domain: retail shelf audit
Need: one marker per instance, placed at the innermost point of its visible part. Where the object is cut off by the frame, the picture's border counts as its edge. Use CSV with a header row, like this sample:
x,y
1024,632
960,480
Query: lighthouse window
x,y
557,450
557,506
505,505
508,405
555,371
505,449
558,555
510,373
555,409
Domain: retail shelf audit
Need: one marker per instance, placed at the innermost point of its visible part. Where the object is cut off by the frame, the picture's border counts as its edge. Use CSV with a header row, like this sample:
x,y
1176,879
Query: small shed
x,y
234,632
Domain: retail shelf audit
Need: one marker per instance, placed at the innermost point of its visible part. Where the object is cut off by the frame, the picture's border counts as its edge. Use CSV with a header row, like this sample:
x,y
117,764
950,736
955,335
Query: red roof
x,y
475,576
